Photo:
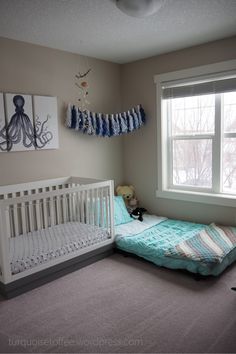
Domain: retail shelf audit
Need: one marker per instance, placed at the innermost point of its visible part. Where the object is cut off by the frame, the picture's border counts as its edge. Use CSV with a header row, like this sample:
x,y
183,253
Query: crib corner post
x,y
4,245
111,193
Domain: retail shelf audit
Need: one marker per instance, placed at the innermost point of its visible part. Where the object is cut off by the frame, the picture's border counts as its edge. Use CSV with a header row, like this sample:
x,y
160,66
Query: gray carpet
x,y
123,305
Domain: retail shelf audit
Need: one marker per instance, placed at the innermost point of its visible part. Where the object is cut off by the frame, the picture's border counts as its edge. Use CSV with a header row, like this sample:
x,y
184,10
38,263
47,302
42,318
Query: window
x,y
197,135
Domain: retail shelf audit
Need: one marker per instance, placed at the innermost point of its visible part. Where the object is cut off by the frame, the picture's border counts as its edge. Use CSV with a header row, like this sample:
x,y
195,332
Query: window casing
x,y
197,134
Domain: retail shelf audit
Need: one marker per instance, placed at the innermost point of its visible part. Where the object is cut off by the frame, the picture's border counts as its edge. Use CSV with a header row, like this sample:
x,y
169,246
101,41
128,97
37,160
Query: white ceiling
x,y
97,28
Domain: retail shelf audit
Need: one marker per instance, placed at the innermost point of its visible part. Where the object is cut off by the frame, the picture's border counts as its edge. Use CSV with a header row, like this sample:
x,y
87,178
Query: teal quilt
x,y
154,244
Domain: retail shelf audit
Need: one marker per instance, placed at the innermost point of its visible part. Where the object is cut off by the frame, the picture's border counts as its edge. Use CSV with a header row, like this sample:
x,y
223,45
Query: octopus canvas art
x,y
20,128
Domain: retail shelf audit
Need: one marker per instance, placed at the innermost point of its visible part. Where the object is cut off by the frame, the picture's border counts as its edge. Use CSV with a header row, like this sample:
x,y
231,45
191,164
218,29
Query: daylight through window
x,y
200,122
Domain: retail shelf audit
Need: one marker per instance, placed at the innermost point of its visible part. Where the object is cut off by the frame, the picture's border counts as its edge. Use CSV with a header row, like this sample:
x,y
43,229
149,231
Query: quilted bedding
x,y
155,244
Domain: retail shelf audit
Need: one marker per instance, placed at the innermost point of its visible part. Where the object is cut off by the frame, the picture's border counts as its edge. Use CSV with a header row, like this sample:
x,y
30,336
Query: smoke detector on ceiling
x,y
139,8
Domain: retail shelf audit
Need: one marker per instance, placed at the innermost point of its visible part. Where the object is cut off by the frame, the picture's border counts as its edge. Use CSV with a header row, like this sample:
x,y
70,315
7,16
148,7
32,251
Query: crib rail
x,y
21,214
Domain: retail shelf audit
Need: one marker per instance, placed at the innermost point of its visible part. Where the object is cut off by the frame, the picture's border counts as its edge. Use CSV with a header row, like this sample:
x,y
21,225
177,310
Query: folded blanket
x,y
211,245
135,227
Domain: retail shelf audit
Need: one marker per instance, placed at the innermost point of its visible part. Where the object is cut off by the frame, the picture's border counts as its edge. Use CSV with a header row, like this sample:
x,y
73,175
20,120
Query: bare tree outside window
x,y
191,134
192,157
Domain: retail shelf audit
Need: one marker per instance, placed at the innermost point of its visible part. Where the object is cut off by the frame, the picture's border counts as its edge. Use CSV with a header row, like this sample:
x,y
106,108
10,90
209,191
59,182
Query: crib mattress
x,y
153,244
38,247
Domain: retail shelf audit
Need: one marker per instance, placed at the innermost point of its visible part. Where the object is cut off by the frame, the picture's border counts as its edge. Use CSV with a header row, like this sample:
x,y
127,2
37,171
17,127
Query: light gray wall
x,y
31,69
140,148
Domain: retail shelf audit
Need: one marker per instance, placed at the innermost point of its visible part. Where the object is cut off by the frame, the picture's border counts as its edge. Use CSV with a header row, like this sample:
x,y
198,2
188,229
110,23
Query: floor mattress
x,y
153,243
38,247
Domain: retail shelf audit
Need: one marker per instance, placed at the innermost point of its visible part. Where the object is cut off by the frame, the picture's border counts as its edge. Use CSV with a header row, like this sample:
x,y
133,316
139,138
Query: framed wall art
x,y
28,122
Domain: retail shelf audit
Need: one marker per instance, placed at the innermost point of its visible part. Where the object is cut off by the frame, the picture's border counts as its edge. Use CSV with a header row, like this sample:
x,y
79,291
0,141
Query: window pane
x,y
229,100
192,115
192,163
229,165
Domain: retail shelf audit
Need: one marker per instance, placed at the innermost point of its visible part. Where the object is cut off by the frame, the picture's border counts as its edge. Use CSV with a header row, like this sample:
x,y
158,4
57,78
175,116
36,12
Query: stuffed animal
x,y
127,192
138,213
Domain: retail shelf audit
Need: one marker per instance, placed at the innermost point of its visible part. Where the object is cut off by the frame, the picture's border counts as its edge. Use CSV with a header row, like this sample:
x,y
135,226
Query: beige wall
x,y
140,148
31,69
26,68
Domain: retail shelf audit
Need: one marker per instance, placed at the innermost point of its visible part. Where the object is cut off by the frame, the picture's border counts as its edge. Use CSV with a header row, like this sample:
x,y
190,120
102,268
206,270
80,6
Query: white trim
x,y
193,137
198,197
212,70
229,135
206,72
217,146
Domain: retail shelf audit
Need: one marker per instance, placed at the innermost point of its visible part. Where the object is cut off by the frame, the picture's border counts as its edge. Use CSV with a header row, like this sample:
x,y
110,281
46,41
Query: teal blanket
x,y
154,243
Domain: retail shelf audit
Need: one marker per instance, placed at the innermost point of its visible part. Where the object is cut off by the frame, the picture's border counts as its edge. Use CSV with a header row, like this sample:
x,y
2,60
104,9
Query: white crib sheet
x,y
37,247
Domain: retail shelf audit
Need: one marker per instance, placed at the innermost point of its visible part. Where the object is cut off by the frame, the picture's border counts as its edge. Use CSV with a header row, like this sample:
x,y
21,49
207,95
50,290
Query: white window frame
x,y
164,188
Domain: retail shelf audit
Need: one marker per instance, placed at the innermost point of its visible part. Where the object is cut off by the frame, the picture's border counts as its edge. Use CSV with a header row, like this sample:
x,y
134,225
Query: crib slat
x,y
92,207
45,210
51,208
15,217
23,214
78,207
8,224
107,207
38,216
58,209
73,206
31,218
101,207
88,216
96,213
64,208
4,244
88,207
70,206
82,206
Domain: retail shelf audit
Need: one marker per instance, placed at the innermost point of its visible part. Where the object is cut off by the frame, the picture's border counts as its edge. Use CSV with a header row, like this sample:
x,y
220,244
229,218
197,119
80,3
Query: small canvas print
x,y
19,122
46,122
3,136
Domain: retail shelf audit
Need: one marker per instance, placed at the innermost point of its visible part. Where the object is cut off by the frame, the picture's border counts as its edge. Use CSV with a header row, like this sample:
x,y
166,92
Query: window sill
x,y
198,197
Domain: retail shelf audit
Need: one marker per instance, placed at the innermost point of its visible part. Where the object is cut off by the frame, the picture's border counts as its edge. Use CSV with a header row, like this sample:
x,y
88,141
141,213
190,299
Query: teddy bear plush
x,y
128,194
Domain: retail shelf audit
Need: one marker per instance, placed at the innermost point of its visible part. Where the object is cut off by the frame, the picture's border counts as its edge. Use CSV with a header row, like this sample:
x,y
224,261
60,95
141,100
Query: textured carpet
x,y
123,305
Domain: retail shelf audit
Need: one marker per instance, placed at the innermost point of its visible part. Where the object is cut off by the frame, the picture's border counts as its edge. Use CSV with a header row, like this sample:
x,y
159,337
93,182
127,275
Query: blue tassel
x,y
136,119
141,114
80,120
97,124
106,125
73,118
101,124
94,123
115,129
123,124
131,121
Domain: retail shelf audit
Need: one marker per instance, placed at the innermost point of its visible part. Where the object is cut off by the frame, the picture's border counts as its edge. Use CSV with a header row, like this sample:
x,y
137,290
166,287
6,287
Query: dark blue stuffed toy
x,y
138,213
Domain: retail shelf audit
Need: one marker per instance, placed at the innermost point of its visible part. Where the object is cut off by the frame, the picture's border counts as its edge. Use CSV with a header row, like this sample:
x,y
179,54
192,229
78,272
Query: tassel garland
x,y
105,125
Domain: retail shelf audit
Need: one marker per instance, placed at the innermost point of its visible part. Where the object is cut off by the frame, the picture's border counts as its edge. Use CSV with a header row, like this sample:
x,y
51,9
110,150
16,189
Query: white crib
x,y
47,223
